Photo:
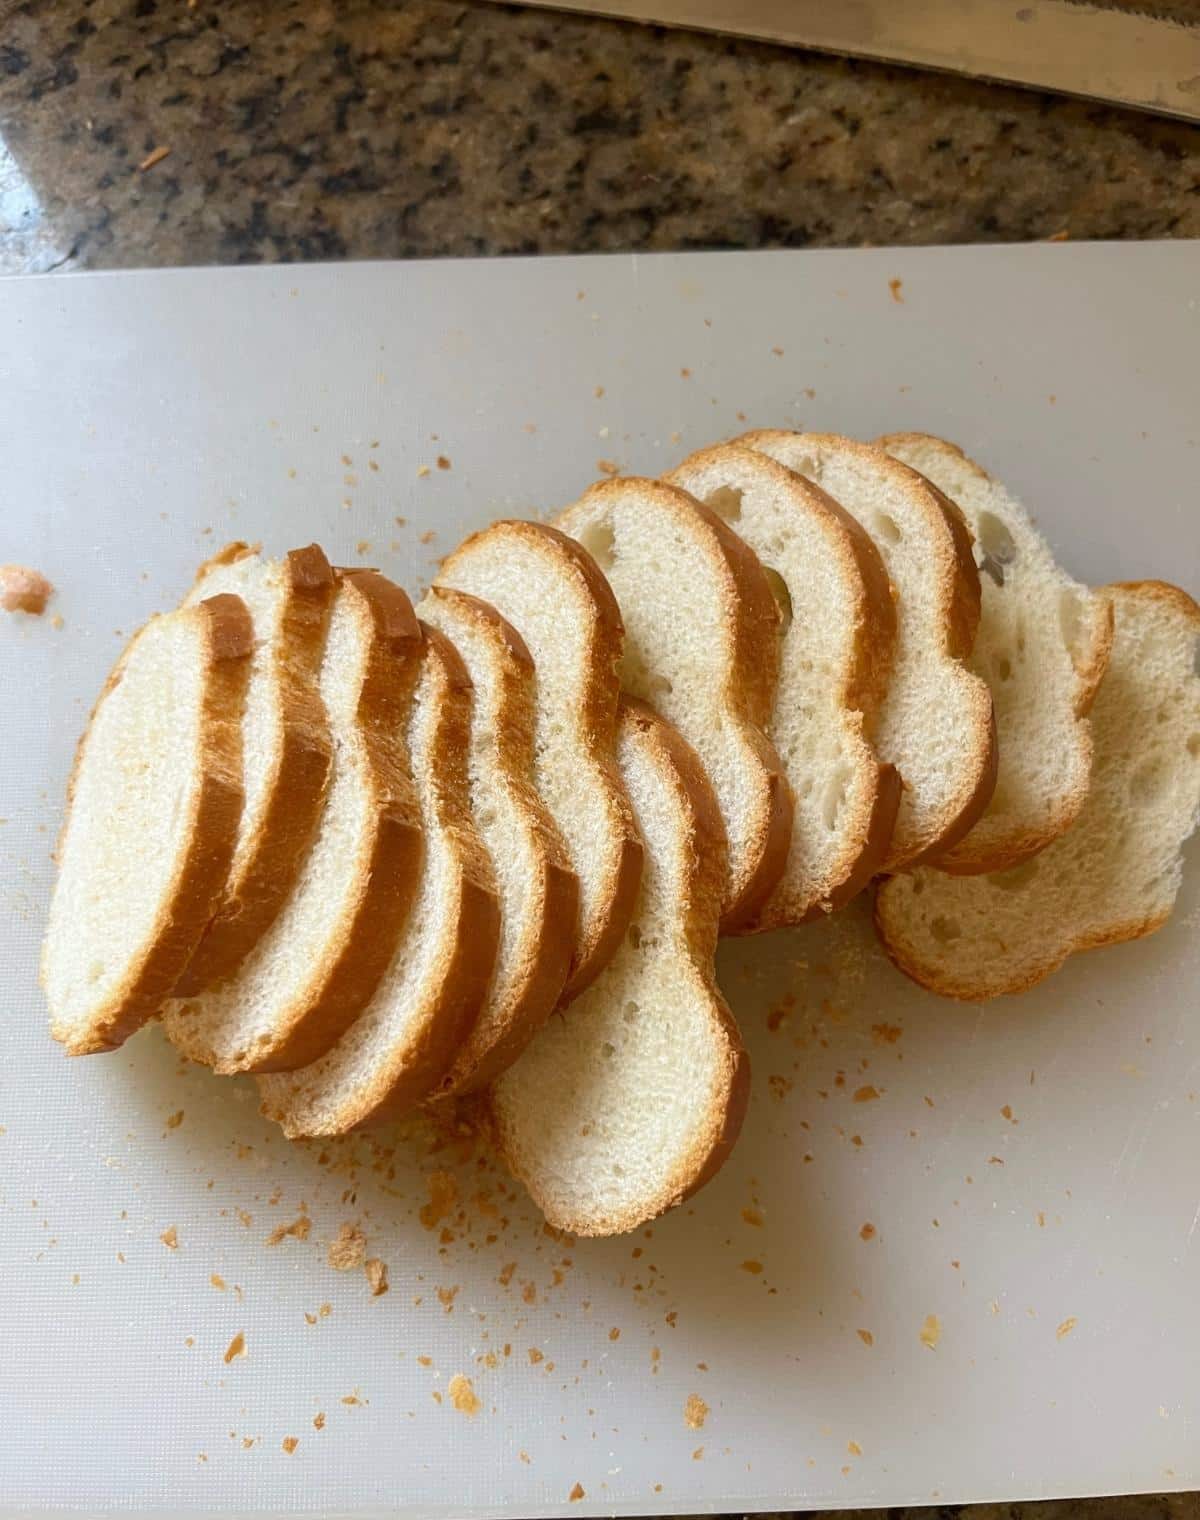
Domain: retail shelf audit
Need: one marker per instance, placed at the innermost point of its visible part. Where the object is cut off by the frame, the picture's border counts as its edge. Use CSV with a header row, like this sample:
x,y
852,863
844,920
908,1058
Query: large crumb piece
x,y
377,1275
299,1229
347,1250
463,1395
24,590
695,1412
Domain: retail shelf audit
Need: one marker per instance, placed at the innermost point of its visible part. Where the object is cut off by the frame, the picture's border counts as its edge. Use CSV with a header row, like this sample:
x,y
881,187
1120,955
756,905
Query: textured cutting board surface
x,y
952,1256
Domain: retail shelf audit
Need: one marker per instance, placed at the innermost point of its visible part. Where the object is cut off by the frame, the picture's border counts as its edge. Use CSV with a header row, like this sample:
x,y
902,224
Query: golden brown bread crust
x,y
211,835
454,991
271,861
550,907
596,940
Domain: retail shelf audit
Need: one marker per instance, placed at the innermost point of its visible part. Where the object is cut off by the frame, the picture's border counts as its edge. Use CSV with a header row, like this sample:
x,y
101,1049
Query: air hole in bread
x,y
599,540
608,1050
834,797
1004,668
994,546
944,929
1070,619
1193,745
657,686
726,502
783,597
1148,781
887,528
95,971
635,936
1018,877
630,1012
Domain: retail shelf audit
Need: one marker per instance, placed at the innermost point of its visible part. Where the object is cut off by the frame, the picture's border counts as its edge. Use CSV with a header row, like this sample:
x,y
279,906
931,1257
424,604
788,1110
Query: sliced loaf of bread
x,y
551,591
404,1041
318,962
1112,876
629,1101
285,743
1042,646
537,890
838,633
936,725
152,820
701,645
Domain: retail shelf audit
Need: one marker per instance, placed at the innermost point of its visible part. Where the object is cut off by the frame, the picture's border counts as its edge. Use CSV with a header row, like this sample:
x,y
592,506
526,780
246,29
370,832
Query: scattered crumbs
x,y
1041,1219
614,1334
1065,1328
442,462
854,1448
897,287
443,1197
377,1275
530,427
429,535
598,392
363,546
175,1120
348,1248
463,1395
995,1161
155,156
290,1443
1007,1113
777,351
218,1282
886,1034
446,1297
536,1356
698,1454
24,590
170,1238
753,1216
352,1399
309,1319
189,1340
994,1306
524,1456
866,1094
425,1361
608,467
810,393
577,1493
422,471
685,374
753,1267
931,1332
867,1232
929,1103
319,1421
347,461
529,1293
695,1412
866,1337
350,480
299,1229
505,1274
235,1348
325,1310
373,464
246,1219
436,1396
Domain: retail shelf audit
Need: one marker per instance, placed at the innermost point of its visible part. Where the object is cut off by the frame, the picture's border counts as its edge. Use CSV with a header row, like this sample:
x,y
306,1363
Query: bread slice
x,y
1042,646
936,725
403,1042
838,633
285,744
1114,875
319,961
152,818
537,890
702,646
634,1098
552,593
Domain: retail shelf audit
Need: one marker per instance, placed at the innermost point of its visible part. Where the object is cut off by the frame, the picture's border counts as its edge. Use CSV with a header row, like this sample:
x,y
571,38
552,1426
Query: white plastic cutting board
x,y
146,418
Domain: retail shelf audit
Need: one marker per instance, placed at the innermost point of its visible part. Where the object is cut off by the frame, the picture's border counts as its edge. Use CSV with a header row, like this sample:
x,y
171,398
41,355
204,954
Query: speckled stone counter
x,y
308,129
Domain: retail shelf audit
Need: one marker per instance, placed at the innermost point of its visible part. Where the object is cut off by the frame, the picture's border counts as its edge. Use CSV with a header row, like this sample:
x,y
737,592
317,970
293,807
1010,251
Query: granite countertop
x,y
328,129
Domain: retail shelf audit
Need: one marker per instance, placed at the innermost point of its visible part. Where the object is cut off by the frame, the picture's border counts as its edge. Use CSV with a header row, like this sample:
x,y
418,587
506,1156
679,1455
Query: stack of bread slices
x,y
482,849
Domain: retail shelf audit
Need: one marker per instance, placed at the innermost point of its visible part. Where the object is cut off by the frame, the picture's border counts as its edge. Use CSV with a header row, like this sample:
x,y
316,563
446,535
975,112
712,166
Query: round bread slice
x,y
936,725
537,890
320,959
1115,874
403,1042
152,817
553,594
285,744
838,633
702,646
629,1102
1042,646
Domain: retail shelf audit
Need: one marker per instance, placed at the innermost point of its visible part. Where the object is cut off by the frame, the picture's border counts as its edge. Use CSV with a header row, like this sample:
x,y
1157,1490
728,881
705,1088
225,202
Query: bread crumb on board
x,y
299,1229
1065,1328
348,1248
236,1347
24,590
319,1421
931,1332
377,1275
170,1238
695,1412
463,1395
289,1444
577,1493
